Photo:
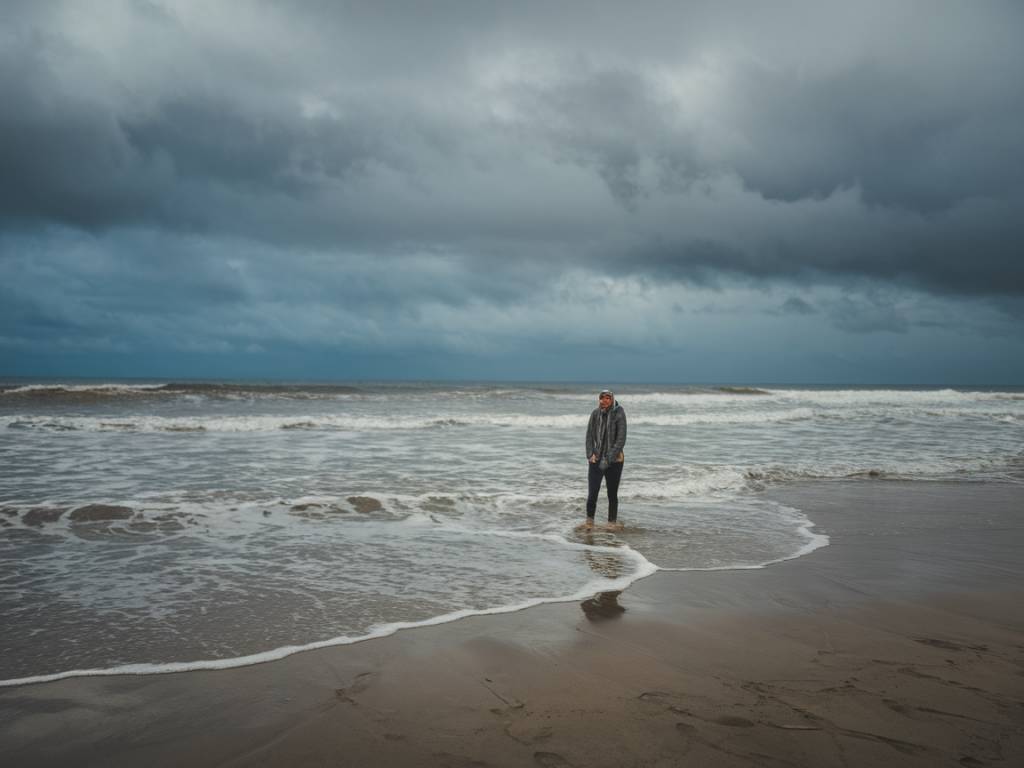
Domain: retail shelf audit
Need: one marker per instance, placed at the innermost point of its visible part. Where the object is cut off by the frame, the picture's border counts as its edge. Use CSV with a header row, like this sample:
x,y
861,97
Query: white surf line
x,y
814,541
81,388
645,569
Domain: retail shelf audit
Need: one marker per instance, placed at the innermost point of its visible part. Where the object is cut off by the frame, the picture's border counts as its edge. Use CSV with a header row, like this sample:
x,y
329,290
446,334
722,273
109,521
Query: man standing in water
x,y
606,437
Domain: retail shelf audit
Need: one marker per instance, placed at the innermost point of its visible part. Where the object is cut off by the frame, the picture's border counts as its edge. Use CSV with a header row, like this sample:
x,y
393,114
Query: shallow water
x,y
257,518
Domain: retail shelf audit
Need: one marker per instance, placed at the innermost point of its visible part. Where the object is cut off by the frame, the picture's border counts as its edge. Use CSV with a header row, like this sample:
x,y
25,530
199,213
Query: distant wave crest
x,y
87,392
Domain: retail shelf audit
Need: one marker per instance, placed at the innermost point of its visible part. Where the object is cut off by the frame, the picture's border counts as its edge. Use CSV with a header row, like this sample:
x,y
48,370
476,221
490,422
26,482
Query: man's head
x,y
606,398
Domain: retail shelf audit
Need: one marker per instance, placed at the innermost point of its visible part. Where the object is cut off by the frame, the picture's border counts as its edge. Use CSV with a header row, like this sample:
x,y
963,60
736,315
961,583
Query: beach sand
x,y
900,644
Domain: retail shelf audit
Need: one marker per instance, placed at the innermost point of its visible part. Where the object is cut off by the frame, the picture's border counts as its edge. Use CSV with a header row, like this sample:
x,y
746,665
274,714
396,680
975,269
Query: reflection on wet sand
x,y
604,563
603,606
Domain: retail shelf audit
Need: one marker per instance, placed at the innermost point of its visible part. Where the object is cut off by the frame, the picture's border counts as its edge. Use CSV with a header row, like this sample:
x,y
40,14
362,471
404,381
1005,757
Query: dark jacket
x,y
615,440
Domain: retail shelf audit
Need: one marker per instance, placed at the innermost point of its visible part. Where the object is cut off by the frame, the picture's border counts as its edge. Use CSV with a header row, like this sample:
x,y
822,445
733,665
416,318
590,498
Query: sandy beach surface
x,y
900,644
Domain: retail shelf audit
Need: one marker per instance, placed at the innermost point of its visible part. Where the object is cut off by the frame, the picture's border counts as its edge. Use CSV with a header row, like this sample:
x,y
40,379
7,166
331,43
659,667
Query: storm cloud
x,y
466,175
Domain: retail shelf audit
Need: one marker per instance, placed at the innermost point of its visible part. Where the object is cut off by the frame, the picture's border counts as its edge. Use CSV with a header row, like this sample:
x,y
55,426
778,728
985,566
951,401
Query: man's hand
x,y
593,458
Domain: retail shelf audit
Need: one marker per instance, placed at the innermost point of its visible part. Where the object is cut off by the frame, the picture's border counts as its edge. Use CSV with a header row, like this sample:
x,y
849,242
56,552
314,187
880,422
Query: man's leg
x,y
594,475
612,477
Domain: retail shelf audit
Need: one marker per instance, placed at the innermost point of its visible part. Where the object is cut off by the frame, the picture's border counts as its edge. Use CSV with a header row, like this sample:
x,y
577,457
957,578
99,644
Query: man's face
x,y
605,401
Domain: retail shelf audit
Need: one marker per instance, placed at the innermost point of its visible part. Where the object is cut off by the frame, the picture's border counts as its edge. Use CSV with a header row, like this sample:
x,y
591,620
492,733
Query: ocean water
x,y
160,526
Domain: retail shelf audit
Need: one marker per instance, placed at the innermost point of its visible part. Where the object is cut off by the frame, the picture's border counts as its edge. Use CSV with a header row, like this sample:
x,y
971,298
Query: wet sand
x,y
900,644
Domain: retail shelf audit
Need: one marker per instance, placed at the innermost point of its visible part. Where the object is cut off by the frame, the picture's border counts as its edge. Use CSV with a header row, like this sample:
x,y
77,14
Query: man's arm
x,y
590,437
620,433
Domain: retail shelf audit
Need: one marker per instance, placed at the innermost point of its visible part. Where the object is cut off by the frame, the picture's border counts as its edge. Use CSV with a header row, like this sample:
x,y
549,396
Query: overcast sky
x,y
678,191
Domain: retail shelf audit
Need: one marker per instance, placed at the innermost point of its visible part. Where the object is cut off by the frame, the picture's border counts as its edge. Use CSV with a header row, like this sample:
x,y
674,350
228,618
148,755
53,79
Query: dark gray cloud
x,y
61,157
972,249
868,316
794,305
906,143
413,112
335,165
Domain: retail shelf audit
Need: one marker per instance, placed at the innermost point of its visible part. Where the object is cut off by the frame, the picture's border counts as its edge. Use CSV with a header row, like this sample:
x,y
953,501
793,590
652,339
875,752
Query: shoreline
x,y
901,643
378,633
644,570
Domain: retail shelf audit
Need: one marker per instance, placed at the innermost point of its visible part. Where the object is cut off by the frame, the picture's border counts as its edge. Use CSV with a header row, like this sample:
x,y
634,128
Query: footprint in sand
x,y
359,684
947,645
971,762
448,760
895,706
734,722
551,760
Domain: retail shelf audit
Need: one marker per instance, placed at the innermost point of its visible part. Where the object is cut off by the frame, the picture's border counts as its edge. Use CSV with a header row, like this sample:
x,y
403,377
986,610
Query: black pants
x,y
612,475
